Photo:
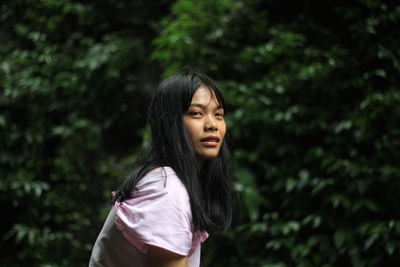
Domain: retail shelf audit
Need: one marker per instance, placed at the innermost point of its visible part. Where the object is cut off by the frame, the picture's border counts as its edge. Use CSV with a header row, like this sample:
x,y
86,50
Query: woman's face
x,y
205,122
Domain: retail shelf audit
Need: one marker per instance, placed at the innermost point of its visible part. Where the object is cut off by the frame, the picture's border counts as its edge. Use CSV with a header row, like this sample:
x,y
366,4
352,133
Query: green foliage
x,y
313,101
69,81
314,110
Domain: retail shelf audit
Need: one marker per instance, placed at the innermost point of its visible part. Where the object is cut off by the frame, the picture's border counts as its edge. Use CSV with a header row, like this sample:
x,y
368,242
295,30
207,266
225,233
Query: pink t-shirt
x,y
159,214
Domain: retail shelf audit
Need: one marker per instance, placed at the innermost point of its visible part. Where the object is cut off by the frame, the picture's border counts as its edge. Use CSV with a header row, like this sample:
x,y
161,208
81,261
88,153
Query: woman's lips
x,y
210,141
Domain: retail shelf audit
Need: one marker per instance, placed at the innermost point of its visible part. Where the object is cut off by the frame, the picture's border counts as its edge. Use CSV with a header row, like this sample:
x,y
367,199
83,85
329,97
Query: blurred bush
x,y
75,80
313,93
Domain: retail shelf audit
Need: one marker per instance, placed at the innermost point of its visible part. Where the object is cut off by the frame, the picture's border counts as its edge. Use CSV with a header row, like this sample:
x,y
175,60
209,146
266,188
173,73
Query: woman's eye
x,y
195,113
219,115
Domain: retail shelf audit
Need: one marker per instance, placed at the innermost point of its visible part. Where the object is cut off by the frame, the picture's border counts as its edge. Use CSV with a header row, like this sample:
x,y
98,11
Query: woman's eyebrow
x,y
204,106
197,105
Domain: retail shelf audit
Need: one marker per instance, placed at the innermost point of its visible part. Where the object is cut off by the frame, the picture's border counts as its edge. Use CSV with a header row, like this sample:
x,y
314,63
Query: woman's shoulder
x,y
160,179
163,171
160,174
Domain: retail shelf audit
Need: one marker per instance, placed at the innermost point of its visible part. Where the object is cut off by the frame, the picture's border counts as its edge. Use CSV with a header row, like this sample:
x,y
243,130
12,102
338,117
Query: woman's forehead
x,y
205,96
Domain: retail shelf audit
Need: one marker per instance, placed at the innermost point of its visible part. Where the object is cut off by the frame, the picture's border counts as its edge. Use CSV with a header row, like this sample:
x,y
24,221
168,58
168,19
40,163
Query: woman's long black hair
x,y
170,145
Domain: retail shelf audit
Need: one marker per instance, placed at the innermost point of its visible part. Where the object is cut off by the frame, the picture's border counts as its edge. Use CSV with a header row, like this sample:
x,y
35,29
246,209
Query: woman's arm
x,y
159,257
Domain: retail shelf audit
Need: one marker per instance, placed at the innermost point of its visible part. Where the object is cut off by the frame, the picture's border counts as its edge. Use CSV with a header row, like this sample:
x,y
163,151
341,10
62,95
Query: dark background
x,y
313,93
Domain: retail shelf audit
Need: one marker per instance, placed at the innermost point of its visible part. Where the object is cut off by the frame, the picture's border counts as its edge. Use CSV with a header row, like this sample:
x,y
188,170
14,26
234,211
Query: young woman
x,y
180,191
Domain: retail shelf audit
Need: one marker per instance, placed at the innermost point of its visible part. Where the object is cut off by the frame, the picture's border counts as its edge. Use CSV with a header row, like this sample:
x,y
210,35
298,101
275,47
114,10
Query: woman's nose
x,y
210,124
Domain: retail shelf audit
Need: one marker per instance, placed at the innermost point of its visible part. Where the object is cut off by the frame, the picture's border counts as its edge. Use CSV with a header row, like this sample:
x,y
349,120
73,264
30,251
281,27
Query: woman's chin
x,y
207,156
